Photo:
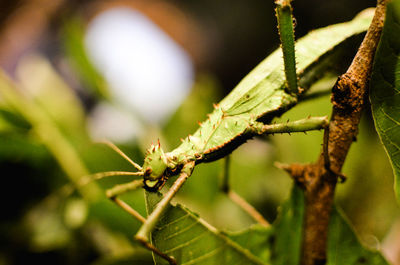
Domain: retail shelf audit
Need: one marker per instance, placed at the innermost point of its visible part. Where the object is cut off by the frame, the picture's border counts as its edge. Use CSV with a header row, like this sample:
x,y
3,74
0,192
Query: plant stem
x,y
348,99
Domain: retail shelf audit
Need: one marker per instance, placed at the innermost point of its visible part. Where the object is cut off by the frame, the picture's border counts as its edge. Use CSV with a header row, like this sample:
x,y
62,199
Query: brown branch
x,y
319,179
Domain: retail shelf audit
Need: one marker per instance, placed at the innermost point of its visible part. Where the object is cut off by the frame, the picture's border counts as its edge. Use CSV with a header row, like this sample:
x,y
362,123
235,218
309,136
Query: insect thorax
x,y
157,168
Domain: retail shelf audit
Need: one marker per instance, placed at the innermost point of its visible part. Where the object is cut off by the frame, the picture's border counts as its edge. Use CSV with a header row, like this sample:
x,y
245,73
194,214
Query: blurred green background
x,y
57,99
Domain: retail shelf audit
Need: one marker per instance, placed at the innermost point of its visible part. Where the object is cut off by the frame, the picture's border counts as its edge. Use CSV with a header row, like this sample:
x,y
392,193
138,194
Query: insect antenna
x,y
119,151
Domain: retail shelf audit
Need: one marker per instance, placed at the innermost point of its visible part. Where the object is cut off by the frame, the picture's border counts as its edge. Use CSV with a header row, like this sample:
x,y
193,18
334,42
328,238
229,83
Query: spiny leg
x,y
143,234
303,125
237,199
286,33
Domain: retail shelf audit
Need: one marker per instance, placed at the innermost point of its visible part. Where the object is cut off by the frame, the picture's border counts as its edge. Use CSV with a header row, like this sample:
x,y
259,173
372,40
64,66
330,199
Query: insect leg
x,y
113,194
96,176
117,190
237,199
143,234
286,34
303,125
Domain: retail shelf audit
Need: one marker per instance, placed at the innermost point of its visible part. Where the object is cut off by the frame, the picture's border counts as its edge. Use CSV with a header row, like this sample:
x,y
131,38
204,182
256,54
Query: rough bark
x,y
319,179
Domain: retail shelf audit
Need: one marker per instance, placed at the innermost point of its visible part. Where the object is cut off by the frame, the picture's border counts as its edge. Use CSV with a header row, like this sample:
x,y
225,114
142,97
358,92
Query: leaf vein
x,y
173,222
181,231
186,243
204,256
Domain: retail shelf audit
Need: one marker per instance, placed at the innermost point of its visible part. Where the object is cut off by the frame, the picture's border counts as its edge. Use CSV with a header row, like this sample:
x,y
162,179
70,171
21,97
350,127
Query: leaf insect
x,y
246,112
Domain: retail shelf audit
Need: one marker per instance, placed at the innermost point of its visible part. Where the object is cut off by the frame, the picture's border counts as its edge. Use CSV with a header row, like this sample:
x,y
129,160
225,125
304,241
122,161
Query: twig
x,y
348,99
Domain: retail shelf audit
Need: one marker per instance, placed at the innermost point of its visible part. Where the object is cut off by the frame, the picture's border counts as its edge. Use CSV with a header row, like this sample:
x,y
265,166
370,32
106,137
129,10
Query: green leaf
x,y
256,239
11,121
282,242
49,93
286,241
344,246
385,89
184,235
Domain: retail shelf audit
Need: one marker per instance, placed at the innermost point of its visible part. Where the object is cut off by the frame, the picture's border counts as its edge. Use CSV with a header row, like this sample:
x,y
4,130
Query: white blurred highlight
x,y
147,71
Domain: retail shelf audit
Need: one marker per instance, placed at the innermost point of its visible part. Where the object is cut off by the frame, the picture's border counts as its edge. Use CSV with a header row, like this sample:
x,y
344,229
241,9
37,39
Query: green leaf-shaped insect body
x,y
248,109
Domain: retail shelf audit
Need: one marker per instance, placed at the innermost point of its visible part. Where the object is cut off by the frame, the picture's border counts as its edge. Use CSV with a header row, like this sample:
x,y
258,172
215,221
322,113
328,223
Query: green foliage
x,y
285,237
182,234
385,89
187,237
45,125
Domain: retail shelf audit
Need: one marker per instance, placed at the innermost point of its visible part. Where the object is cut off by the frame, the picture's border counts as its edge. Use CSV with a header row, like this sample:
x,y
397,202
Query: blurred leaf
x,y
182,234
286,237
144,258
114,217
256,240
133,259
75,212
345,248
47,230
20,146
11,121
46,130
51,94
75,49
385,89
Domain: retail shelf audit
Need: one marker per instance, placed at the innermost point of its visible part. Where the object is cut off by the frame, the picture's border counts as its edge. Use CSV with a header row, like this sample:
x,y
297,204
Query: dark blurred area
x,y
217,44
226,38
